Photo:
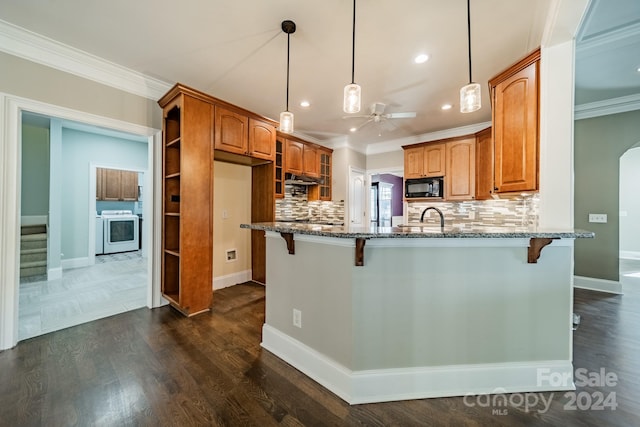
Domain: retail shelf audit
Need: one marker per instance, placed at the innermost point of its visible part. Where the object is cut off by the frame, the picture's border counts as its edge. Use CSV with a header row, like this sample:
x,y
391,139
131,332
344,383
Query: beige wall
x,y
390,160
341,159
599,144
231,192
37,82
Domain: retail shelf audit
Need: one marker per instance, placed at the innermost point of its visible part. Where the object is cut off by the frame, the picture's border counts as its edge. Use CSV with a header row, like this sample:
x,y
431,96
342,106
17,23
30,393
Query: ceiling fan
x,y
378,116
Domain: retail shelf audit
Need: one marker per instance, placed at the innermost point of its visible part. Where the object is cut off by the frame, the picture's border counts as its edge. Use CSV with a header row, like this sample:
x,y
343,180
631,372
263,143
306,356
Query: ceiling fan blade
x,y
407,115
360,116
363,124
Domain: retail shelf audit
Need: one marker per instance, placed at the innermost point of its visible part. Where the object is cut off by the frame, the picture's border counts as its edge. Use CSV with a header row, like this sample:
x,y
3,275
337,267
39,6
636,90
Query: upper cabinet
x,y
293,155
425,161
306,158
311,160
514,96
460,182
484,164
239,134
116,185
262,137
325,174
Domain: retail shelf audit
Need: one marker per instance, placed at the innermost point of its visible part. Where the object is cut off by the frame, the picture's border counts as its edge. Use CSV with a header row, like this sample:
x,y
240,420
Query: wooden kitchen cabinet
x,y
325,174
310,160
514,96
116,185
262,138
426,160
187,201
460,171
231,131
294,155
279,169
484,164
239,134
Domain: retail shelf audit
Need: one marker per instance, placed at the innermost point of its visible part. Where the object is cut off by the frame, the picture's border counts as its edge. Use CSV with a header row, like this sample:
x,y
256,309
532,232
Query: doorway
x,y
357,197
13,108
629,200
72,289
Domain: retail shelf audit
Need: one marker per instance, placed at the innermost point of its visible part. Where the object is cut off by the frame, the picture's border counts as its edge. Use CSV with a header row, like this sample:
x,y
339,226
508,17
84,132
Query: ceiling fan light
x,y
351,102
470,98
286,122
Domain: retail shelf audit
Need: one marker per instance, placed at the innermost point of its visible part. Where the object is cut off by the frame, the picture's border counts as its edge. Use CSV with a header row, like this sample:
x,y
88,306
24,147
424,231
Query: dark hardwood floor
x,y
158,368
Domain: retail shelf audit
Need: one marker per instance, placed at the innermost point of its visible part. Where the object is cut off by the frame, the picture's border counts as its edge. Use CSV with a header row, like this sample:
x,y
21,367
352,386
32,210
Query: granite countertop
x,y
417,231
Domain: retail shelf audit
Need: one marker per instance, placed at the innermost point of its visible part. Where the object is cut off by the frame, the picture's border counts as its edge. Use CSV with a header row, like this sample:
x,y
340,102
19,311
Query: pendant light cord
x,y
353,45
288,45
469,37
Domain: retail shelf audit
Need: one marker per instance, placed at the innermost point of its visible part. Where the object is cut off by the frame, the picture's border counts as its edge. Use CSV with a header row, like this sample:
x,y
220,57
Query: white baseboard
x,y
629,254
54,273
231,279
34,220
594,284
385,385
75,263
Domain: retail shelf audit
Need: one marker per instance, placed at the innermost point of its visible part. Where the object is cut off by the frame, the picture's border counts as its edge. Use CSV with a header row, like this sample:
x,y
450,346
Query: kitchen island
x,y
382,314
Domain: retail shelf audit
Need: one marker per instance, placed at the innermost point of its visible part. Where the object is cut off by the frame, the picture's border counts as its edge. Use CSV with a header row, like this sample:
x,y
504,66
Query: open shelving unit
x,y
187,228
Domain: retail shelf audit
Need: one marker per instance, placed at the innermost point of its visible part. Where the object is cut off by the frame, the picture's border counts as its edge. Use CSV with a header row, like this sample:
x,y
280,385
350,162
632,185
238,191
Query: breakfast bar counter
x,y
382,314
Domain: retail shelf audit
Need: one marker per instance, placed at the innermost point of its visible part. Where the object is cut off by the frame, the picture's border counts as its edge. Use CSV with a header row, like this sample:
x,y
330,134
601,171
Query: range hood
x,y
292,179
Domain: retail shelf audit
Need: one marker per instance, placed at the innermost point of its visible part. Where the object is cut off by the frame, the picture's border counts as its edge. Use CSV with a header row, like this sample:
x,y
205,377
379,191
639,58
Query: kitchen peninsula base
x,y
424,317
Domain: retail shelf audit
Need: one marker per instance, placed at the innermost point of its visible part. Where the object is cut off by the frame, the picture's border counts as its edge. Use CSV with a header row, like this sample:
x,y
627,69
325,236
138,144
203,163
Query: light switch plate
x,y
601,218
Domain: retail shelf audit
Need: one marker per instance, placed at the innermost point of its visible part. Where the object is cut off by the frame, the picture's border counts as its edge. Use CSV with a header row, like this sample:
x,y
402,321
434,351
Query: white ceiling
x,y
236,51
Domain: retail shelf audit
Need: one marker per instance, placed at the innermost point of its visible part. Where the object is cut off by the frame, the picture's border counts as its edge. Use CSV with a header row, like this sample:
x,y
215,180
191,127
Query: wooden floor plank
x,y
157,368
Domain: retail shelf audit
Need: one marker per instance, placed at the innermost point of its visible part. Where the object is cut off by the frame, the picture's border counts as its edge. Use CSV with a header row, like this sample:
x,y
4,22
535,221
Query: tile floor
x,y
115,284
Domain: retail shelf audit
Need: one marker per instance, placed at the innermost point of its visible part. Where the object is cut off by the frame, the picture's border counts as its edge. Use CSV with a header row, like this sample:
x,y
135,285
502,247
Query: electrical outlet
x,y
297,318
601,218
472,215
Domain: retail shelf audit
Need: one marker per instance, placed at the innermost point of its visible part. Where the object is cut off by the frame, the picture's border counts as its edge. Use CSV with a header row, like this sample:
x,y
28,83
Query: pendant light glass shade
x,y
352,91
286,117
286,122
351,98
470,98
470,94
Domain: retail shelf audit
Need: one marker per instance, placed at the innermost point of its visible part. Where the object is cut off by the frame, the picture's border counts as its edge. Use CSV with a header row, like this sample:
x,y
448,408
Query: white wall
x,y
79,150
630,203
341,159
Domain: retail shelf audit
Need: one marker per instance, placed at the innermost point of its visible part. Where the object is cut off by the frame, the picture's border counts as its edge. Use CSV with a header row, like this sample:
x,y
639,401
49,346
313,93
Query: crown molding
x,y
622,104
603,41
34,47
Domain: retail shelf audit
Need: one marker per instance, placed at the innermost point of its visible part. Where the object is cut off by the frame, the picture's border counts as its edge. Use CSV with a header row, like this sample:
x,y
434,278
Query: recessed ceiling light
x,y
353,129
447,107
421,59
638,70
304,104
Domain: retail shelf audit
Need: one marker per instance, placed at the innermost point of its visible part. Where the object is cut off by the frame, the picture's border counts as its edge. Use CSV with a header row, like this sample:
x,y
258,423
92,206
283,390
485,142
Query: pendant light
x,y
352,92
286,117
469,94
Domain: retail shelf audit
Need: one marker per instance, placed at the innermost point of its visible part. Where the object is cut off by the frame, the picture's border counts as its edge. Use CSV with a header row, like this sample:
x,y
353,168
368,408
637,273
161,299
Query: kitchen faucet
x,y
439,213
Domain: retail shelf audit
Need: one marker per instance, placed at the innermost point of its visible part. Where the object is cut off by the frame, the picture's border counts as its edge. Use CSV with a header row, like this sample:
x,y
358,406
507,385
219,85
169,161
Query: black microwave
x,y
424,187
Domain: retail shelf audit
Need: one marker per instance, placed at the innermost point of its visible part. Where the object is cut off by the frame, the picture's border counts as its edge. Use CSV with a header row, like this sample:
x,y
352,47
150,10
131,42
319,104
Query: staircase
x,y
33,250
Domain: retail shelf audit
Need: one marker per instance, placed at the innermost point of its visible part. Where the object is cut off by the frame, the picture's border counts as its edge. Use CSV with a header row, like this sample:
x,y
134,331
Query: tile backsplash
x,y
519,211
294,206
